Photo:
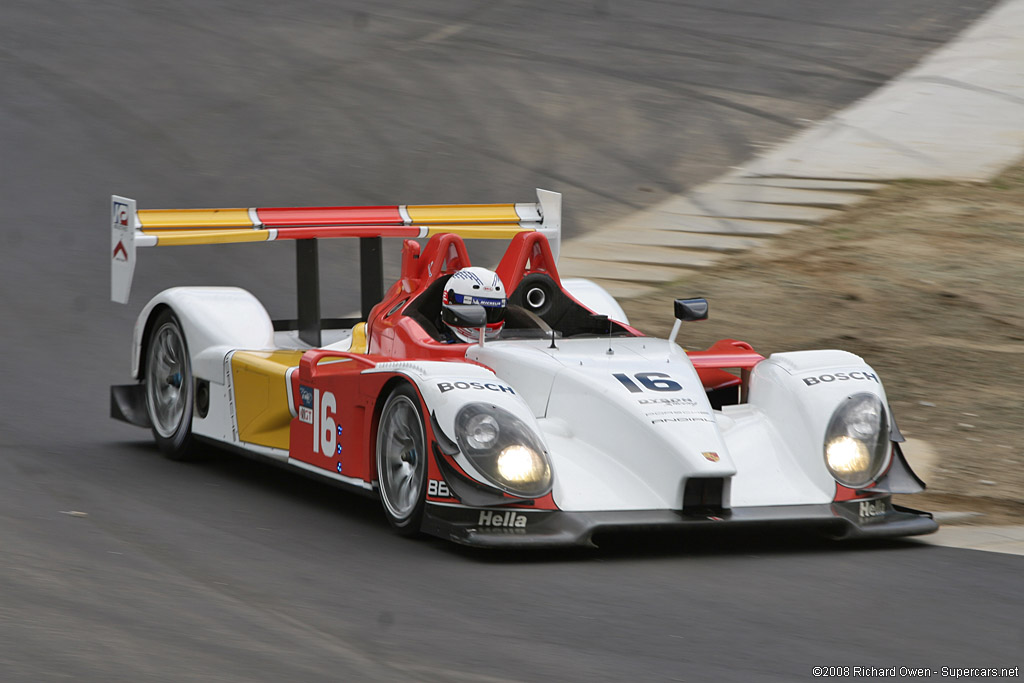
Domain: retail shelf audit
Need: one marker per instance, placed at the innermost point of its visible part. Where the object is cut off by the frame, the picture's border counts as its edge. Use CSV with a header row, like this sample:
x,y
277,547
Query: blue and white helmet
x,y
476,285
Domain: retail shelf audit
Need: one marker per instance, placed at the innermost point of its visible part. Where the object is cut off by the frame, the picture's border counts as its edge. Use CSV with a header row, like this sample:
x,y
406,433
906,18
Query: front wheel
x,y
402,460
169,387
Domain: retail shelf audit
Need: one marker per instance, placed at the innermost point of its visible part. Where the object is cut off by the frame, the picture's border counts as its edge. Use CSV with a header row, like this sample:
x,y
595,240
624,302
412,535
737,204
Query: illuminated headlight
x,y
521,464
503,449
857,440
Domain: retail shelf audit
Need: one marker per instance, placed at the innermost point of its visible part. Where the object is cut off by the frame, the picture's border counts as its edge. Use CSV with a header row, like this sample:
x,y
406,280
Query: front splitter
x,y
505,527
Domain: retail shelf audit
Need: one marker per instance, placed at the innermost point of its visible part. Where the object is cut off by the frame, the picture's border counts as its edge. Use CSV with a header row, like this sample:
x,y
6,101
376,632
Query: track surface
x,y
231,570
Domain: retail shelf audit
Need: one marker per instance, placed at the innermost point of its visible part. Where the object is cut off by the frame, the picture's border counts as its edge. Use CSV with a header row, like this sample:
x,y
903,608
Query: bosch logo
x,y
478,386
840,377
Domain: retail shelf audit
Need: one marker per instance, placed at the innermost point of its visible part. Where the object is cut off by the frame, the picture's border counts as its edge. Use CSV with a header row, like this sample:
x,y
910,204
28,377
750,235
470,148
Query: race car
x,y
569,424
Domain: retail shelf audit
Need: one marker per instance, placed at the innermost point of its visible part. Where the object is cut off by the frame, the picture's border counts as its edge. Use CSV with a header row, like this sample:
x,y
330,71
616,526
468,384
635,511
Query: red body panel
x,y
389,332
336,435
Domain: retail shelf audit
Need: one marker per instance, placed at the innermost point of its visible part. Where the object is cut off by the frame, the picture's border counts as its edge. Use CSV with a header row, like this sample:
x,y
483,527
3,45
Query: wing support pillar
x,y
371,273
307,289
307,285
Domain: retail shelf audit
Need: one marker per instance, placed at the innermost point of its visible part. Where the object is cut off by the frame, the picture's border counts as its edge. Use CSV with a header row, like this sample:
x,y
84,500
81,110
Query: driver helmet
x,y
476,285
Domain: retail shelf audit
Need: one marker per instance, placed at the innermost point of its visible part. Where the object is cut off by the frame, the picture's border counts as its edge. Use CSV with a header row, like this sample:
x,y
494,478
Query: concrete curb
x,y
957,115
994,539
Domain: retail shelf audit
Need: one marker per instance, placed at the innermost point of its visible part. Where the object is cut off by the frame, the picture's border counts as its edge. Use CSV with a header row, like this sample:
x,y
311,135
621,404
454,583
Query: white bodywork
x,y
625,421
595,297
216,320
613,448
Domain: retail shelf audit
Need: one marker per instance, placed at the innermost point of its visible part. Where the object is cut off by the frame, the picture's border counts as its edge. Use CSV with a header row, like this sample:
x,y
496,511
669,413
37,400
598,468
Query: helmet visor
x,y
494,306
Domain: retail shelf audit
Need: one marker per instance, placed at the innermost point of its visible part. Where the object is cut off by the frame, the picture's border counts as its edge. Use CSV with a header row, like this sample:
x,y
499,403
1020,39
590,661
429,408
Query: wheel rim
x,y
401,457
167,377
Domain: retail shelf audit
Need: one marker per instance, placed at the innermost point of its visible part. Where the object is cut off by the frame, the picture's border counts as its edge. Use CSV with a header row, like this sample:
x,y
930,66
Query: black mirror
x,y
688,310
464,315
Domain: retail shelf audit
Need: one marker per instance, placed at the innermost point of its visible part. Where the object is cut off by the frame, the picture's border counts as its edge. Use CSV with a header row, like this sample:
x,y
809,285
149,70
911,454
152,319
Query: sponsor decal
x,y
504,520
689,402
486,302
711,455
478,386
121,214
662,420
671,407
119,249
871,508
306,401
841,377
438,489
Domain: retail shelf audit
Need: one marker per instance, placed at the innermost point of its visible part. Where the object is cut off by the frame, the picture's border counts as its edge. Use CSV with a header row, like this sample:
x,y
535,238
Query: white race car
x,y
571,424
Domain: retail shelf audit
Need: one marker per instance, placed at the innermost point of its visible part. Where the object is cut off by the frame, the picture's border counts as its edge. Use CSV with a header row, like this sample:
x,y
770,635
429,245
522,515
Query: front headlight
x,y
503,449
857,440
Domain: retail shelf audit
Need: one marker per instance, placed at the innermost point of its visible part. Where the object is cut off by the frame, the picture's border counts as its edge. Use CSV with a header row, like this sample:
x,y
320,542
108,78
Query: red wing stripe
x,y
329,215
348,231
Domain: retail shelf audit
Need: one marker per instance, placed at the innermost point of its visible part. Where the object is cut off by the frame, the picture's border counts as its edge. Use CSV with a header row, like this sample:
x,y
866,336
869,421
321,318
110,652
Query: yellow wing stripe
x,y
162,219
479,231
166,238
463,213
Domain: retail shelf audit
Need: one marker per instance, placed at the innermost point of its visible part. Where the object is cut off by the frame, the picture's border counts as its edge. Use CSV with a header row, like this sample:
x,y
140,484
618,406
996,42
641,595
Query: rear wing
x,y
133,228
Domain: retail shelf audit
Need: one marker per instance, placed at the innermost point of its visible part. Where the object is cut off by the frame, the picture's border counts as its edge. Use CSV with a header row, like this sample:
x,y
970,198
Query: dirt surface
x,y
925,281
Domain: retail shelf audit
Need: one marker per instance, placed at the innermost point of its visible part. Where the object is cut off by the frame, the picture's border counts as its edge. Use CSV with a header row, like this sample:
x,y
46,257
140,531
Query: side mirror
x,y
465,315
688,310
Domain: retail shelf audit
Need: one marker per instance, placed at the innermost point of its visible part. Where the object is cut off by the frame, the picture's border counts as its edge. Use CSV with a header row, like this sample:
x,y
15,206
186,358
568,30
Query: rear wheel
x,y
402,460
169,387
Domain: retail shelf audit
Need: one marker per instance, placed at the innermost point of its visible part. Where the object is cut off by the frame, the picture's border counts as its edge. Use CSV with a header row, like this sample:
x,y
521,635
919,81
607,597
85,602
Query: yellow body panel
x,y
261,396
455,213
160,219
358,338
166,238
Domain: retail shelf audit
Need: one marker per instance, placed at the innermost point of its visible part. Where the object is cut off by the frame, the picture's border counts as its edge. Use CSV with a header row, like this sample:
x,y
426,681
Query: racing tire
x,y
170,389
402,460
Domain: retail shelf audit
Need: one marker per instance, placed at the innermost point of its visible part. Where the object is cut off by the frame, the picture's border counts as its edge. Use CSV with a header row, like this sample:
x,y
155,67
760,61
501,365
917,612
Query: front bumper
x,y
502,528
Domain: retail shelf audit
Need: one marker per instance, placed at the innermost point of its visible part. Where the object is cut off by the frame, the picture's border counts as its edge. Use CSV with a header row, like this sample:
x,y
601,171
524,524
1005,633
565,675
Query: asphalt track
x,y
231,570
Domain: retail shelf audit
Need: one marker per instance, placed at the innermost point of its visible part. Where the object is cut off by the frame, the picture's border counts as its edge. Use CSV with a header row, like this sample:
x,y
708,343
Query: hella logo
x,y
507,519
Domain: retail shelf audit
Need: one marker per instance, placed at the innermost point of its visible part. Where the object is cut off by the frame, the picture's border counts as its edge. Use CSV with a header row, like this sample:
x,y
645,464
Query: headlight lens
x,y
481,431
857,440
503,449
